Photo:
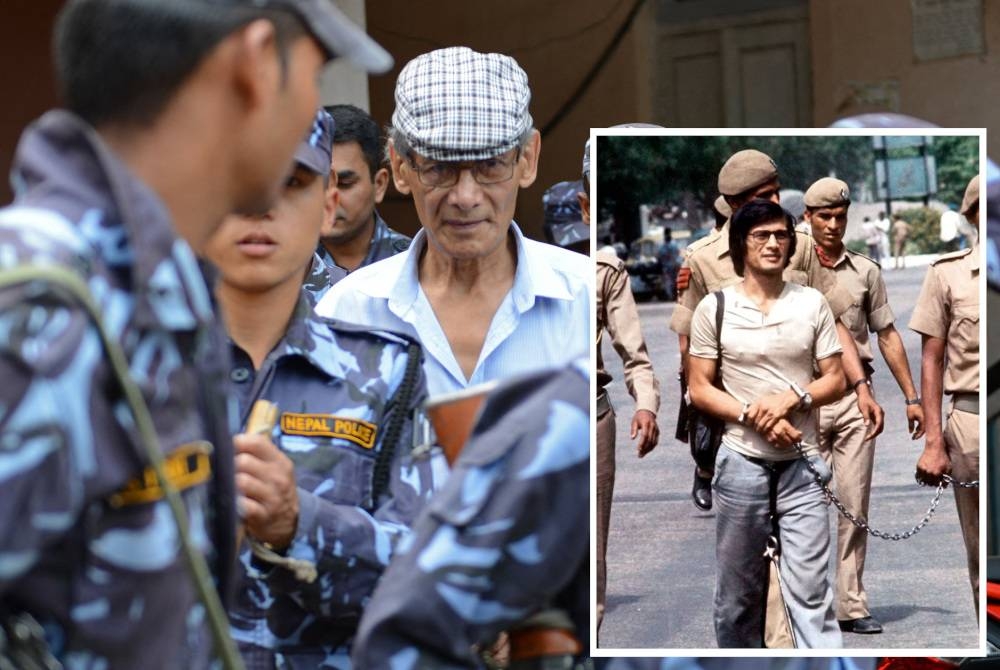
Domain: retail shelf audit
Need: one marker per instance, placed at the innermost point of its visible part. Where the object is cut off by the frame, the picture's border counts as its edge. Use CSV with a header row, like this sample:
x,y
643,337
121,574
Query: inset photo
x,y
789,410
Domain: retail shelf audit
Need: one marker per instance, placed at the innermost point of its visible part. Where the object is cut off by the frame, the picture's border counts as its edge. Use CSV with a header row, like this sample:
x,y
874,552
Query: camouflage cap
x,y
457,104
827,192
971,198
586,160
722,207
745,170
338,34
563,217
315,152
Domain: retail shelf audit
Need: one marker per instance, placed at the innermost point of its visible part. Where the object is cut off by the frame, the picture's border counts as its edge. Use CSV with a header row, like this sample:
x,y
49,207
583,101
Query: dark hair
x,y
121,61
754,213
353,124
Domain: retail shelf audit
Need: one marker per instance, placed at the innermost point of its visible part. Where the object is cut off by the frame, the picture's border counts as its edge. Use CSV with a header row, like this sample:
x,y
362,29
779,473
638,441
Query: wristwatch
x,y
743,414
913,401
805,401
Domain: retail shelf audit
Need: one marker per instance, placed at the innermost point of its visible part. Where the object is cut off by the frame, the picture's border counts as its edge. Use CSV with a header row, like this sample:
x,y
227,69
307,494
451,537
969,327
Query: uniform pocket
x,y
964,331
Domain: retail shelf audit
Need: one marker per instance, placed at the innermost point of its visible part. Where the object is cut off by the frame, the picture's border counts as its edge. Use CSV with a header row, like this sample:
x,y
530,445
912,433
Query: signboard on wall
x,y
947,28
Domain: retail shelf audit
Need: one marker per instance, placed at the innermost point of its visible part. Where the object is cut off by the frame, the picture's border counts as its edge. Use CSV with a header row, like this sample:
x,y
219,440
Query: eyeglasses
x,y
762,236
485,172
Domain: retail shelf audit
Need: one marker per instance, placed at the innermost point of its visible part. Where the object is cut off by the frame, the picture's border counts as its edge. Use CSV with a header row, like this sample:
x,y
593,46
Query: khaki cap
x,y
745,170
971,195
827,192
722,207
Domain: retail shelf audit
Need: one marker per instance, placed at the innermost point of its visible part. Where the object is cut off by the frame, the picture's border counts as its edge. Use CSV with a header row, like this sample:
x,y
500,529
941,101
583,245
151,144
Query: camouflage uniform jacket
x,y
320,277
336,388
105,578
385,243
505,536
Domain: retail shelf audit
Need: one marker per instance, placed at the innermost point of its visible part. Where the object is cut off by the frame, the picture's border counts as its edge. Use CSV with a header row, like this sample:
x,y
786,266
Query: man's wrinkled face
x,y
767,247
359,193
258,253
467,220
828,225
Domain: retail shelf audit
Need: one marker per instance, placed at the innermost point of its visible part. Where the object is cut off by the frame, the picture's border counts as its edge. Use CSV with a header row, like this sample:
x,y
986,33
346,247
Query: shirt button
x,y
239,375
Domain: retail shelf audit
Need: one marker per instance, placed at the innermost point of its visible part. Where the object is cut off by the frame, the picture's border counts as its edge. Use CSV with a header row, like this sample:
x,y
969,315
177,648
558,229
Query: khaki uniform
x,y
842,431
616,312
948,307
712,269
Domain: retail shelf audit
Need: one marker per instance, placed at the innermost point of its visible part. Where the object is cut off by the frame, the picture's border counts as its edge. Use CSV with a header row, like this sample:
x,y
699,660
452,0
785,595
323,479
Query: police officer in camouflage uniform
x,y
346,401
565,224
153,146
355,234
504,538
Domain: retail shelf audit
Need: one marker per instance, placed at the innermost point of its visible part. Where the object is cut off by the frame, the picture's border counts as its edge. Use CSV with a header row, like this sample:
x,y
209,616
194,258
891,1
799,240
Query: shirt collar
x,y
309,335
723,243
533,277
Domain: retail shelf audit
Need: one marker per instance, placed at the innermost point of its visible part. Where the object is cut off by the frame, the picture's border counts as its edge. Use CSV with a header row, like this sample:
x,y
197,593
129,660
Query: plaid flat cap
x,y
315,152
586,160
457,104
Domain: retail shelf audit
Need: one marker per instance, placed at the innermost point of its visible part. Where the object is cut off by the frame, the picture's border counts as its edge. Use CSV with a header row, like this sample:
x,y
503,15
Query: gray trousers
x,y
741,489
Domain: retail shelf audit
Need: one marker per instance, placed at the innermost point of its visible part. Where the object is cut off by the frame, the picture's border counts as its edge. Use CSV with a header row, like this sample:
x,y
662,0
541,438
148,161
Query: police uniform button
x,y
239,375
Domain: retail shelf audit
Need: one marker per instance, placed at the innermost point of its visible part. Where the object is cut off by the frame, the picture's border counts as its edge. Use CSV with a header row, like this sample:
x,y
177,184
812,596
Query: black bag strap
x,y
401,399
720,309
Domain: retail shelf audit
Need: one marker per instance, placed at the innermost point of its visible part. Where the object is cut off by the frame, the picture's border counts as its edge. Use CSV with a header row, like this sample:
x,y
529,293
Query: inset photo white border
x,y
668,408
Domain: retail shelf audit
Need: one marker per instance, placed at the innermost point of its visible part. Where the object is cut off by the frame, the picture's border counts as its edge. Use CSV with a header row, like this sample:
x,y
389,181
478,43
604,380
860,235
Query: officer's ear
x,y
381,182
401,169
584,200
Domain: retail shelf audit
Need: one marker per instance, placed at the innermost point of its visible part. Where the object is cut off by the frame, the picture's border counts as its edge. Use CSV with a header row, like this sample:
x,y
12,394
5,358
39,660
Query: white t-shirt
x,y
766,354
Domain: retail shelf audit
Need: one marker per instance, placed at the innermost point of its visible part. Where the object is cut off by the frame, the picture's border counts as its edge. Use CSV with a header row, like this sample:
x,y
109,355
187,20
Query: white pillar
x,y
342,82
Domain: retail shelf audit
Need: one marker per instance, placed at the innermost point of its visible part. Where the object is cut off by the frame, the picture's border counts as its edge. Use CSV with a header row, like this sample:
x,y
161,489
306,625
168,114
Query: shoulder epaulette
x,y
610,259
952,256
865,256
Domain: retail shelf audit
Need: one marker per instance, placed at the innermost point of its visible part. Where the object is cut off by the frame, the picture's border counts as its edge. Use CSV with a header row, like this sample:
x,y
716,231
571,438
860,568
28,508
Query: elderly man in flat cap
x,y
485,302
842,432
746,175
947,317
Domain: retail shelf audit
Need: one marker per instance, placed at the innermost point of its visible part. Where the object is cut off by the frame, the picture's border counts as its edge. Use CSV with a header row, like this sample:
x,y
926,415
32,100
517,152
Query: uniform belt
x,y
603,403
530,643
966,402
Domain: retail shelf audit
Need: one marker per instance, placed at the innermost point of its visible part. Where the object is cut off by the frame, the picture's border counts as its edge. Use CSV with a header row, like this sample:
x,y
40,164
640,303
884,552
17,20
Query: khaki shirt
x,y
900,229
764,354
948,307
712,269
869,311
617,314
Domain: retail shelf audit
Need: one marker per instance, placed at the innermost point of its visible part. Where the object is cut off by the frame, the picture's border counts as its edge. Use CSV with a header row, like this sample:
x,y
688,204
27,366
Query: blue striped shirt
x,y
543,320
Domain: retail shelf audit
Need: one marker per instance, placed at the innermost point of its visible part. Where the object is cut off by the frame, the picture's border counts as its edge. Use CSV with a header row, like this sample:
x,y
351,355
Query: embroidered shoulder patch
x,y
188,465
359,432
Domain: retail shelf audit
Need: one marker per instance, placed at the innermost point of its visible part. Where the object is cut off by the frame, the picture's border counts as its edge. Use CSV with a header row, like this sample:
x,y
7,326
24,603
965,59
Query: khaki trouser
x,y
961,437
605,491
851,458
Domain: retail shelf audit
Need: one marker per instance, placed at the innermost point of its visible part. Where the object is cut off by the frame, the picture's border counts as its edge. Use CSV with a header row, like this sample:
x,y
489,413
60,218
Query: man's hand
x,y
265,479
683,278
767,411
644,426
871,411
783,435
915,421
933,463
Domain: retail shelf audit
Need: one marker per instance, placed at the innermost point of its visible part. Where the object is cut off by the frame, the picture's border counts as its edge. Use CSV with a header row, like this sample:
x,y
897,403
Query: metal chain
x,y
862,523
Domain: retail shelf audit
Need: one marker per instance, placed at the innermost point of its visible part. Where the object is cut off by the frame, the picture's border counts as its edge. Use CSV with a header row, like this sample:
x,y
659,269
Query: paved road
x,y
661,554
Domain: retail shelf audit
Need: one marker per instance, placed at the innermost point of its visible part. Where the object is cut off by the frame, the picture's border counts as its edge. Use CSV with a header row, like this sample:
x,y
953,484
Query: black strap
x,y
400,402
720,308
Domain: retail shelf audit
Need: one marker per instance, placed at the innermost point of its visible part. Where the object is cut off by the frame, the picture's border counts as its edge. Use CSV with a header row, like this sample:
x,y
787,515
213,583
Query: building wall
x,y
557,43
863,61
25,73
